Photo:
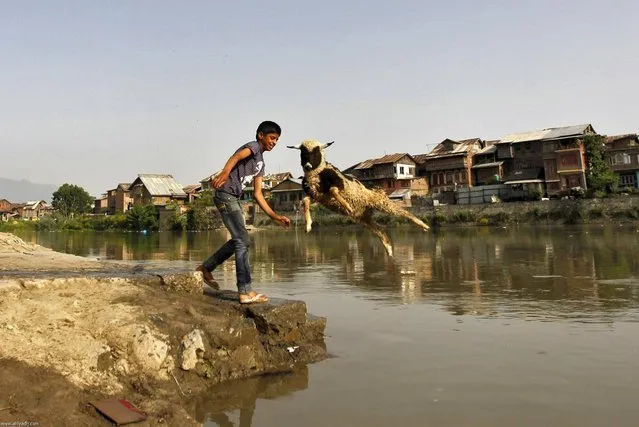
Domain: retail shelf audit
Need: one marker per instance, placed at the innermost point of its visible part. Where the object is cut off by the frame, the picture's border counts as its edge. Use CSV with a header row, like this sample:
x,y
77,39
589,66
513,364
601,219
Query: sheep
x,y
325,184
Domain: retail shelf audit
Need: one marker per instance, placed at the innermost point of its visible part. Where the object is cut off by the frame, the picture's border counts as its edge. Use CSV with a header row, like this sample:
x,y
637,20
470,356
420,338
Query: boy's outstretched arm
x,y
221,178
259,198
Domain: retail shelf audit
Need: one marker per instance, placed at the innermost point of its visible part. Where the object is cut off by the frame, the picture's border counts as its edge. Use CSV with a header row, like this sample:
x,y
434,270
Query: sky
x,y
93,92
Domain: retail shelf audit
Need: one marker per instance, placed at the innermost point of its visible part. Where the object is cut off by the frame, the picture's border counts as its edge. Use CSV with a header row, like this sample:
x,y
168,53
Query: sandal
x,y
208,277
251,299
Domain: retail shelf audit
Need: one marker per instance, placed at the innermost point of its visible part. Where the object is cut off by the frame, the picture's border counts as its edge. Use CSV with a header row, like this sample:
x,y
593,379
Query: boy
x,y
242,168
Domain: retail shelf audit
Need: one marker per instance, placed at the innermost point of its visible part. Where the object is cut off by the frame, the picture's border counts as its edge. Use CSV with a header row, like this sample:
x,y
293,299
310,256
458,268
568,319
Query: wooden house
x,y
622,152
556,153
287,195
5,204
119,199
487,169
156,189
101,205
192,192
271,180
394,173
449,165
6,210
33,210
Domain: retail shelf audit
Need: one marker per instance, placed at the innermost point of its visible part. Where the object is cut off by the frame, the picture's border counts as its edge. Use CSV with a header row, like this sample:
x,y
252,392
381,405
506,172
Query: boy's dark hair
x,y
267,127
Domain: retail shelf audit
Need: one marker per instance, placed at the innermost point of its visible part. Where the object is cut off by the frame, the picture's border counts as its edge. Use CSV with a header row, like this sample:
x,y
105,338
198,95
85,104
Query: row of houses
x,y
549,161
29,211
161,190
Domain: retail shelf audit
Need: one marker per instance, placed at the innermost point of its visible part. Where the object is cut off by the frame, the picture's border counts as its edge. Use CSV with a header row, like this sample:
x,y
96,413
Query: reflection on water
x,y
570,272
492,326
235,403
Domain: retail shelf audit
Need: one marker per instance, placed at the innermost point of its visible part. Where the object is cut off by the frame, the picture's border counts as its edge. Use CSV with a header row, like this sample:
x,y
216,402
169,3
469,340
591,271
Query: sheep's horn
x,y
328,145
296,147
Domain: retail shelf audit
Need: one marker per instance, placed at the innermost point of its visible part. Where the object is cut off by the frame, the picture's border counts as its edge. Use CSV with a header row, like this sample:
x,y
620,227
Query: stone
x,y
189,283
149,351
278,317
192,349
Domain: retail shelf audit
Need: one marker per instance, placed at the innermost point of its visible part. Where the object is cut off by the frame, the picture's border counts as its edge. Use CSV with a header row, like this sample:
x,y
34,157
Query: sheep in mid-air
x,y
325,184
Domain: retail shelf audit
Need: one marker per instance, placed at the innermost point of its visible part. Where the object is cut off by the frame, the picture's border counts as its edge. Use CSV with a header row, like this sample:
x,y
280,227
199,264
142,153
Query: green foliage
x,y
464,216
599,174
202,215
72,200
17,225
140,218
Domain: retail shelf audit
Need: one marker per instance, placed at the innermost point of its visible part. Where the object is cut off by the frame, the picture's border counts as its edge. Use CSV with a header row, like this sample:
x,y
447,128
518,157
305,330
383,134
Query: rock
x,y
149,351
190,283
278,317
193,349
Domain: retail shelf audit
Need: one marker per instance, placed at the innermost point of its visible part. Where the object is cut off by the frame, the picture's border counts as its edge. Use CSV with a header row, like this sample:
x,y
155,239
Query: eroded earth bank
x,y
74,331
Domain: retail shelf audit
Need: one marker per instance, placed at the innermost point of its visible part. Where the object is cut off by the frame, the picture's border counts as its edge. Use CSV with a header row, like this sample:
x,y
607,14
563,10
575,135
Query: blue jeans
x,y
233,218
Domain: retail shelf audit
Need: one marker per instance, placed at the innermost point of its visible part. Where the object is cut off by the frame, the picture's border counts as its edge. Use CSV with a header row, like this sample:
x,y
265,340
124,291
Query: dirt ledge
x,y
74,330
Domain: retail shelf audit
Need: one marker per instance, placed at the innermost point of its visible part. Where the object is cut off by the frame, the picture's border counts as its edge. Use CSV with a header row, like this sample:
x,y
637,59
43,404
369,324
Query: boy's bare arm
x,y
259,198
221,178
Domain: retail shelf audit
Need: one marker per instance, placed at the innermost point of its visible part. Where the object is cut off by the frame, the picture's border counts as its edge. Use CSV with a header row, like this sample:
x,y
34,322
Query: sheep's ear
x,y
328,145
296,147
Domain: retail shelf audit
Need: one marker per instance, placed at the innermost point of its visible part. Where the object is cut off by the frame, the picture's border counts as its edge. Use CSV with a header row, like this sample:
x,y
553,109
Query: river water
x,y
514,326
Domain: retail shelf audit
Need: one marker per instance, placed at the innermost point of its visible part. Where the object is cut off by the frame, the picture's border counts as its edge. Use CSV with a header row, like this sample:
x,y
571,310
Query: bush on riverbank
x,y
573,211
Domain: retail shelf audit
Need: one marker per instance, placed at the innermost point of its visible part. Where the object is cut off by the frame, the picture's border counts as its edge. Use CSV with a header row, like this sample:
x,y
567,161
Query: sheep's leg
x,y
390,208
374,227
337,196
306,206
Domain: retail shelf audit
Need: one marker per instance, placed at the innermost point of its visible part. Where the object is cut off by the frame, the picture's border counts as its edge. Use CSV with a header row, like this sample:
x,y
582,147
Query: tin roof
x,y
399,193
277,176
545,134
450,147
614,138
486,150
192,188
160,185
388,158
293,180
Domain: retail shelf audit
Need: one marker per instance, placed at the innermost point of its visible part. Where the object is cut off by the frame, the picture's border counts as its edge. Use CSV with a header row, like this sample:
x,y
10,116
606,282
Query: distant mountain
x,y
21,191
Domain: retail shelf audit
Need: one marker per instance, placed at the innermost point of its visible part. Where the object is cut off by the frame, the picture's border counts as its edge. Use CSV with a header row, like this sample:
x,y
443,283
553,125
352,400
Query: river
x,y
517,326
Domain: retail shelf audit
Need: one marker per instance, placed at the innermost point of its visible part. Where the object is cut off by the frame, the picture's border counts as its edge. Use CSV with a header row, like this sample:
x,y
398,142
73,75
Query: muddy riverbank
x,y
75,330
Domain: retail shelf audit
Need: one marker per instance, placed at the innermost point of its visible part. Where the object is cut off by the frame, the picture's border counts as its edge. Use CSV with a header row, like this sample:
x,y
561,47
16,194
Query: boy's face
x,y
267,141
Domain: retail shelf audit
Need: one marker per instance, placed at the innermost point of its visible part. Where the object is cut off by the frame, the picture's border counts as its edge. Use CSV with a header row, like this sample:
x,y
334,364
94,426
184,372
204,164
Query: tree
x,y
202,215
140,218
70,200
599,174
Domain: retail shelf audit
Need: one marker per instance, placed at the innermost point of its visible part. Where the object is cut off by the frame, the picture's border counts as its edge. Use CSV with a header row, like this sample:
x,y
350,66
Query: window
x,y
621,159
569,159
401,170
627,180
449,177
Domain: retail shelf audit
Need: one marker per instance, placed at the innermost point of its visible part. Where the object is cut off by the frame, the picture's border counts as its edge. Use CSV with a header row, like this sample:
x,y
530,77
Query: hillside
x,y
17,191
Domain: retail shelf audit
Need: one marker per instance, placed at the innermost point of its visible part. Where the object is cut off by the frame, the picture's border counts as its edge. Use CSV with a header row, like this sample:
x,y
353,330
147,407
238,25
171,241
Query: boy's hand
x,y
219,180
282,220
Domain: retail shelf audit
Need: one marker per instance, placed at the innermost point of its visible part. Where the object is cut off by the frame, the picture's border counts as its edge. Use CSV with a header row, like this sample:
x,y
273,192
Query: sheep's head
x,y
311,153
